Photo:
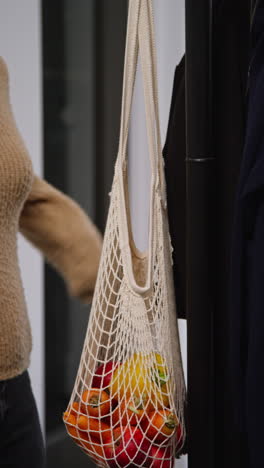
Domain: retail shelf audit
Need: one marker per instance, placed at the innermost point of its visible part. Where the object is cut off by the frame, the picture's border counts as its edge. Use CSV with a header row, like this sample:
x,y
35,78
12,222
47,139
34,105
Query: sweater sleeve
x,y
57,226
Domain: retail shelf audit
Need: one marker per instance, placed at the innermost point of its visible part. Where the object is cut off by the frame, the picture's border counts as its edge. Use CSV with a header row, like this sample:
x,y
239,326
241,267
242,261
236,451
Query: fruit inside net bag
x,y
125,418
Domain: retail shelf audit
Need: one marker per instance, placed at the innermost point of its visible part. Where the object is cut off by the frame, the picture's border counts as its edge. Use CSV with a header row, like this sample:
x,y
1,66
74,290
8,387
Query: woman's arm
x,y
57,226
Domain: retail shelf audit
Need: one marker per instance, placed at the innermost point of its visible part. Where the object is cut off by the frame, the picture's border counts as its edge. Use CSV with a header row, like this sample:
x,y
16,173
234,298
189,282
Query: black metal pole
x,y
200,234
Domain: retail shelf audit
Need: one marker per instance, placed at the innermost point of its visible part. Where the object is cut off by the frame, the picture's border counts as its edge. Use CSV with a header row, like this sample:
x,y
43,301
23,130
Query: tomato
x,y
130,411
96,402
160,425
75,408
72,429
70,422
91,445
92,448
96,428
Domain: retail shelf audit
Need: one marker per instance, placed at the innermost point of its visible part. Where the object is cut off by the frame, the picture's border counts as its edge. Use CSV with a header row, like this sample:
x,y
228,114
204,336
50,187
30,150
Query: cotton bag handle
x,y
140,41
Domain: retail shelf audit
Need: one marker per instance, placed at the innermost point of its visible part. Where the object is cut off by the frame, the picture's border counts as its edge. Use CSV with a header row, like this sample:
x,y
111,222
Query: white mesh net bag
x,y
127,405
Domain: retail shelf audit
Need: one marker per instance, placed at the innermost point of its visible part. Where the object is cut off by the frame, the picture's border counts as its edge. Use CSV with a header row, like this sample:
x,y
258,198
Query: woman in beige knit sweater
x,y
58,226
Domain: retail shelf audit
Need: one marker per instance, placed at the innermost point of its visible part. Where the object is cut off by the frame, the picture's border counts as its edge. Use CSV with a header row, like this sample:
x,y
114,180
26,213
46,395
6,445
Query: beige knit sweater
x,y
51,221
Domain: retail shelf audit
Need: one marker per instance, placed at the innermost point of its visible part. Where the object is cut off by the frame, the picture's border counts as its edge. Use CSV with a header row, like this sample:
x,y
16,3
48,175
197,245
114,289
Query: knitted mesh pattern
x,y
127,404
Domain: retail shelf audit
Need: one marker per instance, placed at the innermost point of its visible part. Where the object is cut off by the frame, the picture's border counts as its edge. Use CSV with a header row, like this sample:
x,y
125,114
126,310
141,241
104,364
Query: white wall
x,y
20,46
169,16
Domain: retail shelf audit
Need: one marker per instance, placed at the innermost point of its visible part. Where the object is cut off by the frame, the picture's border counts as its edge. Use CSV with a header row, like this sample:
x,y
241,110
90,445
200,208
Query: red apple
x,y
103,374
160,457
128,446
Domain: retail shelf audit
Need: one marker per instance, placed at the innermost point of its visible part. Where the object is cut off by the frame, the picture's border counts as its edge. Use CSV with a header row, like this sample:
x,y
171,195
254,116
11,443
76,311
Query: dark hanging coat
x,y
230,49
174,153
230,65
247,293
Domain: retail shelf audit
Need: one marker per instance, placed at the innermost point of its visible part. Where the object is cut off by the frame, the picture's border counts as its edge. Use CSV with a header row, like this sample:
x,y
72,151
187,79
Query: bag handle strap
x,y
129,75
140,41
149,68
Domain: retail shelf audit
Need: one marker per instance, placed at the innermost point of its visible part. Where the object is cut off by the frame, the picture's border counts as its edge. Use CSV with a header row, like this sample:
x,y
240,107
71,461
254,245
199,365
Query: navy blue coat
x,y
247,272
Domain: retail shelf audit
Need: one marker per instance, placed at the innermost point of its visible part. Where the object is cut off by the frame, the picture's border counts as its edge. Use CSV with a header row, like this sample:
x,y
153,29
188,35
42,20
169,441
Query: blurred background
x,y
65,59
